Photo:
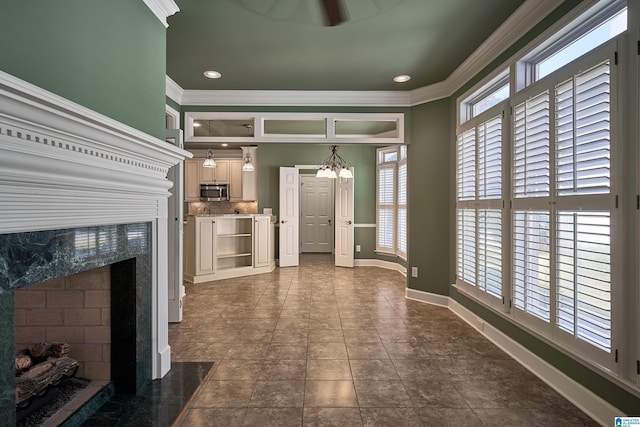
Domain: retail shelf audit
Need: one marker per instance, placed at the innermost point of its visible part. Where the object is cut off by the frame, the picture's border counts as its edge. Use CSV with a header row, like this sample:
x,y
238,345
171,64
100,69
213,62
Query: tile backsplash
x,y
221,208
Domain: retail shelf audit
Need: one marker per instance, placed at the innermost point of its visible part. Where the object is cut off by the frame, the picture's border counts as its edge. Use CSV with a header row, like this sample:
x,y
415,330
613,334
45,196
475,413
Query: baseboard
x,y
429,298
382,264
591,404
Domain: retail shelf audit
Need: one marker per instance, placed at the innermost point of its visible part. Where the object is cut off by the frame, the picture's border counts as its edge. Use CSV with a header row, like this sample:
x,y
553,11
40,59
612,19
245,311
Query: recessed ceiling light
x,y
212,74
225,145
402,78
196,125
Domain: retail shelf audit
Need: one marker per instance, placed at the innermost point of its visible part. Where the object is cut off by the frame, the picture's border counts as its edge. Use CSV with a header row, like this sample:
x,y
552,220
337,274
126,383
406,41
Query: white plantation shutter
x,y
467,165
490,159
490,251
583,160
562,257
584,276
479,200
466,236
531,263
386,207
402,208
531,177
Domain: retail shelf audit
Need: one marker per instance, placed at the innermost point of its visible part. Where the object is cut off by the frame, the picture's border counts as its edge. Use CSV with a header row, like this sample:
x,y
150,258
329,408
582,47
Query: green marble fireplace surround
x,y
33,257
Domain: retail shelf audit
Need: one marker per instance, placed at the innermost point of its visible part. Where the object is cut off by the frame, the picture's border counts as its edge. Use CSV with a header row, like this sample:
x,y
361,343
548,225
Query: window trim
x,y
394,165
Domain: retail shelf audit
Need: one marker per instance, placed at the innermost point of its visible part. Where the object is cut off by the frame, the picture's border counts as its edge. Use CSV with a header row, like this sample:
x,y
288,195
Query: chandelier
x,y
334,166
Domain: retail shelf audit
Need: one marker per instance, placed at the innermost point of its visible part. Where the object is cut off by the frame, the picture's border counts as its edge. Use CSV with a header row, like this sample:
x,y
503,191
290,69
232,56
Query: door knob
x,y
283,221
329,221
349,222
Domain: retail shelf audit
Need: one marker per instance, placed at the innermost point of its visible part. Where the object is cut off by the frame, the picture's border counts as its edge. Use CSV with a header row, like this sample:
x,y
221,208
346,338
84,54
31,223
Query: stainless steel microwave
x,y
214,192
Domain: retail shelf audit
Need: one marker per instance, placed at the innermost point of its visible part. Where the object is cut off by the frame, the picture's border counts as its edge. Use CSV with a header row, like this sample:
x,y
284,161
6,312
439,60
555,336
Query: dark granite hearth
x,y
158,404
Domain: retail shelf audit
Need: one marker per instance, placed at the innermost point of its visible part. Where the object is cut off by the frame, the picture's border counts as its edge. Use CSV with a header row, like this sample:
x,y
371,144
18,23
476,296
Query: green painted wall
x,y
429,167
109,56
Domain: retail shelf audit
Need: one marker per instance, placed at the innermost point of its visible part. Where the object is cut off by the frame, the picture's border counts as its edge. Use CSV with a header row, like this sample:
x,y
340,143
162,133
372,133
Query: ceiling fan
x,y
334,12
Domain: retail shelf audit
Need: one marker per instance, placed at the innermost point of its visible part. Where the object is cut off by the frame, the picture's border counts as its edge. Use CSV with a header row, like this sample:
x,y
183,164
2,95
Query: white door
x,y
344,222
175,232
289,218
316,214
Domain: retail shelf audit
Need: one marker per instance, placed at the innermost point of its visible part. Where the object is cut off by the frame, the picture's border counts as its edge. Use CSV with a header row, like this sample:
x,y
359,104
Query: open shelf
x,y
233,255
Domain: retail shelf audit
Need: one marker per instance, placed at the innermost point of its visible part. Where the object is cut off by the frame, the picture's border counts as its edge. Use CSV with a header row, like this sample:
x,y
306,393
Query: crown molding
x,y
295,97
162,9
529,14
174,91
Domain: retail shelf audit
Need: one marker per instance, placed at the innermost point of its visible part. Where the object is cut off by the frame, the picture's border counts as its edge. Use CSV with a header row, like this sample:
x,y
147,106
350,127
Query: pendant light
x,y
209,162
248,165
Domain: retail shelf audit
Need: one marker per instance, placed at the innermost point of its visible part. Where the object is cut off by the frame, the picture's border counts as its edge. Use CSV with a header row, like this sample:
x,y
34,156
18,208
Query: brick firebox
x,y
75,309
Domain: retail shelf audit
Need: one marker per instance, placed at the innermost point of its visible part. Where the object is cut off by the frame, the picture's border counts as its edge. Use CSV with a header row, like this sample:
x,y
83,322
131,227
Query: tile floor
x,y
317,345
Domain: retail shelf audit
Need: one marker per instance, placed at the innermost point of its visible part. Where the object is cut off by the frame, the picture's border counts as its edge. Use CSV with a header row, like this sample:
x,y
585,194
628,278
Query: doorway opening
x,y
316,214
290,217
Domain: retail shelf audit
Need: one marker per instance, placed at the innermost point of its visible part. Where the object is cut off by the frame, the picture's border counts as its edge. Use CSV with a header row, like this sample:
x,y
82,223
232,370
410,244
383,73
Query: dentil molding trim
x,y
63,165
529,14
162,9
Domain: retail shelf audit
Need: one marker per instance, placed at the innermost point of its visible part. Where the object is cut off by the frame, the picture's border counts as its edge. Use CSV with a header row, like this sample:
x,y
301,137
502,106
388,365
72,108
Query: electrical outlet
x,y
357,248
414,271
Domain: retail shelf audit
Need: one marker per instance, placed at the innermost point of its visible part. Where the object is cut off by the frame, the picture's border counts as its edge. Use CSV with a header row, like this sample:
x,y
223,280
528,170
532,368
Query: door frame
x,y
315,167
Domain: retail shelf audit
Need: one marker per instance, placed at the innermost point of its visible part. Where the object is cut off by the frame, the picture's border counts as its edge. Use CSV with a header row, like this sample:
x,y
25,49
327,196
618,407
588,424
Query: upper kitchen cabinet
x,y
217,175
378,128
192,180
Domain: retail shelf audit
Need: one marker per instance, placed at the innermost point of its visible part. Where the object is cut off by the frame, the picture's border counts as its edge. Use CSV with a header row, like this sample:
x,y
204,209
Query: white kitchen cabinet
x,y
226,246
192,180
261,240
217,175
206,246
235,180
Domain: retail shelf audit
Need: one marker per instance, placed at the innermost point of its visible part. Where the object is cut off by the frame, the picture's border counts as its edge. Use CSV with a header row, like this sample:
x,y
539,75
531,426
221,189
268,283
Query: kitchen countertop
x,y
228,215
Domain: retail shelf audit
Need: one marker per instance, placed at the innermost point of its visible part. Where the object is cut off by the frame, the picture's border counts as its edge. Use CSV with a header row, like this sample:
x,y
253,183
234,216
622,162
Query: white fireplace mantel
x,y
63,166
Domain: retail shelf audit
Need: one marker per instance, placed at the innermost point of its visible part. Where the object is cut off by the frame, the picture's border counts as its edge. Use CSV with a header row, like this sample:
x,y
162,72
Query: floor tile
x,y
331,417
207,417
278,394
330,394
328,369
279,370
396,417
327,351
318,346
373,370
382,394
225,394
273,417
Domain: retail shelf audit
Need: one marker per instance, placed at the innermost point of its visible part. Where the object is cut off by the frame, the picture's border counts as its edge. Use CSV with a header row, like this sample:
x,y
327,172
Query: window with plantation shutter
x,y
467,165
531,263
562,252
386,207
584,276
490,159
466,234
583,133
541,201
531,177
402,208
479,202
490,251
391,201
